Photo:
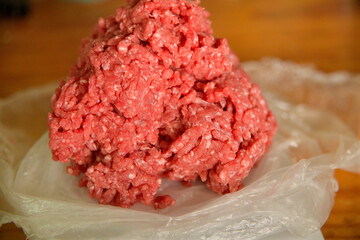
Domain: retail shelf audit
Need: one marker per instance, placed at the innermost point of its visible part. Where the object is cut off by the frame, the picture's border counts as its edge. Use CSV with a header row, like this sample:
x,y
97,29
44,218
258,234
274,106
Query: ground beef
x,y
163,202
154,95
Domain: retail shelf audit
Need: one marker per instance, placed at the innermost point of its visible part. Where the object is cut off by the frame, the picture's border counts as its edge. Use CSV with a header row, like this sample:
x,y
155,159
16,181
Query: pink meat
x,y
154,95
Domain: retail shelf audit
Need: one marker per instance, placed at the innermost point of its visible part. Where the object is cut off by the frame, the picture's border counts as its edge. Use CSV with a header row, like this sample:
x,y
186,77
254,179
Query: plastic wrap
x,y
291,189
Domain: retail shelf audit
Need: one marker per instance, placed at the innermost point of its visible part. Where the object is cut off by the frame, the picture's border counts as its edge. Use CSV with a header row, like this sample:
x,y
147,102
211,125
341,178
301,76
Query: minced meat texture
x,y
154,95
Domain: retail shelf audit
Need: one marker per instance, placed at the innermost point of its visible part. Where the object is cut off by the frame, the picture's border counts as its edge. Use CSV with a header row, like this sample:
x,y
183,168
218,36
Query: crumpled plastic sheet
x,y
336,92
291,189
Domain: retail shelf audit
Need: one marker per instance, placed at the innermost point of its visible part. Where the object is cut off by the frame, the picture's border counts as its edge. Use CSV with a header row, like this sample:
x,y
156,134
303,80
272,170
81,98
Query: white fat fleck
x,y
245,164
216,125
122,49
156,35
134,95
175,91
222,176
161,161
132,175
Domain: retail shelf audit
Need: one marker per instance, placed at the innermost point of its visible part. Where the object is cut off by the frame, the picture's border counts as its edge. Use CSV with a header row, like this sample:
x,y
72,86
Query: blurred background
x,y
39,41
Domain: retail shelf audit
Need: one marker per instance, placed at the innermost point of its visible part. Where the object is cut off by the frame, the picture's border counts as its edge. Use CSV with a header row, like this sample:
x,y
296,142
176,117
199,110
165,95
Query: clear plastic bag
x,y
291,189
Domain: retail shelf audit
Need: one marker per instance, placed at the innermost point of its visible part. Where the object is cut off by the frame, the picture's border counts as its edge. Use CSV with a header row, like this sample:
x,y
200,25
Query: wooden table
x,y
42,46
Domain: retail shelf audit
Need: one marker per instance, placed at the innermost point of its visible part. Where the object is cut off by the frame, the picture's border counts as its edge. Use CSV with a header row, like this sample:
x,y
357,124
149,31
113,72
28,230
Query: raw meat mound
x,y
154,95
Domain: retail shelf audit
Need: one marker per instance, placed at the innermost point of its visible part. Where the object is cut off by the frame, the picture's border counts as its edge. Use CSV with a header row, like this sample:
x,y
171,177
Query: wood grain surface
x,y
42,46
